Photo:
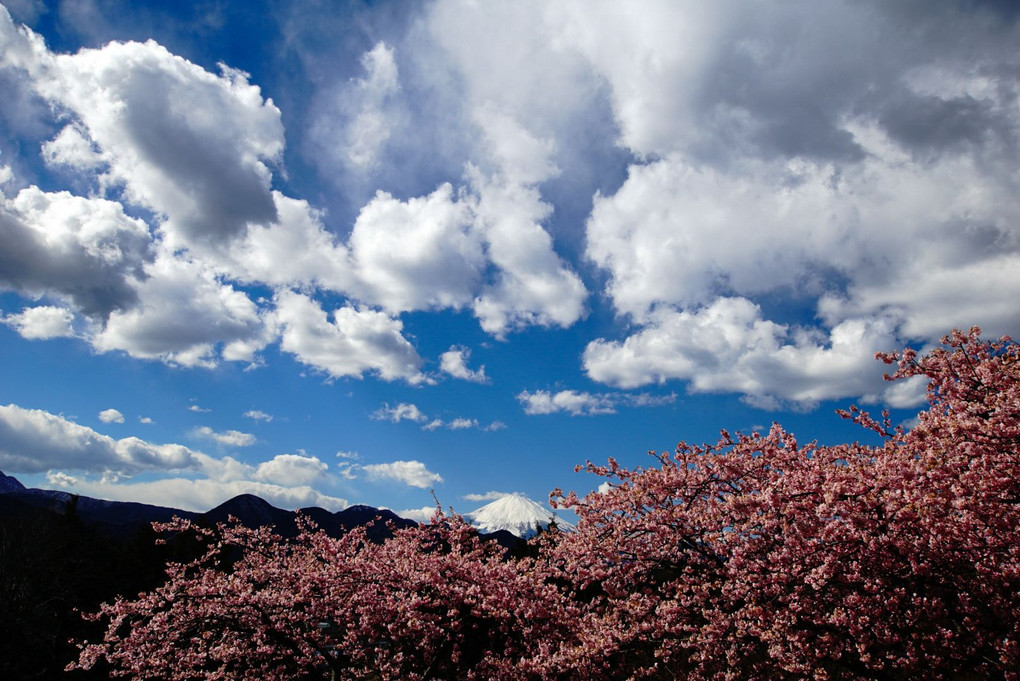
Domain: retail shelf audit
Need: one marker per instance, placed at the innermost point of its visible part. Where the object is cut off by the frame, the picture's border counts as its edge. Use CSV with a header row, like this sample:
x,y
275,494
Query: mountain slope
x,y
516,514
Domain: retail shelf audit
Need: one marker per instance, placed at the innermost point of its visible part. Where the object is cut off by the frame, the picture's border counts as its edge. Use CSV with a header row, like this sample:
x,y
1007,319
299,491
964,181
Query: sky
x,y
338,253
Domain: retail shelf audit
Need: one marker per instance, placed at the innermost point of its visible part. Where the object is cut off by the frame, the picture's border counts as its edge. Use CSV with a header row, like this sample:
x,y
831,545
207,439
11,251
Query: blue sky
x,y
335,253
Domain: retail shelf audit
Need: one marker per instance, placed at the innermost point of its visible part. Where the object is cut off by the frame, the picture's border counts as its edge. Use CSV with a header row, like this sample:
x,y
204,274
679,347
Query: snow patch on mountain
x,y
516,514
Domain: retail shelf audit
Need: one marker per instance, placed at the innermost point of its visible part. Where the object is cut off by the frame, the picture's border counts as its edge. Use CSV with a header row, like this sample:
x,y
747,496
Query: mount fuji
x,y
516,514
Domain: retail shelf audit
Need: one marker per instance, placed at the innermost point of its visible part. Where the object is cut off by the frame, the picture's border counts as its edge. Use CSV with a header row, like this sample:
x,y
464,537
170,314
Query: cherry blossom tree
x,y
433,602
760,557
757,557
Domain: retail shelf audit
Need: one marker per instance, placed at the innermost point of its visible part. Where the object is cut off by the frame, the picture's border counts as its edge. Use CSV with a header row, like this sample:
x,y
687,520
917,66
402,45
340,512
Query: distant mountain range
x,y
121,519
506,520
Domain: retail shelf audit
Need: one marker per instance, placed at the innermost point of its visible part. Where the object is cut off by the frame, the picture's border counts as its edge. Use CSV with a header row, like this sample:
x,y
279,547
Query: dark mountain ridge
x,y
122,519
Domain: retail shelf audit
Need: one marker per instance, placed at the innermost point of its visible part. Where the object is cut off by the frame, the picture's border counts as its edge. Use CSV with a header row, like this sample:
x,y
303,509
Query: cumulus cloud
x,y
412,473
416,254
186,316
86,251
454,363
354,341
421,515
200,494
291,470
294,250
729,347
231,438
258,415
79,458
111,416
770,161
35,441
41,322
155,122
401,412
863,170
533,285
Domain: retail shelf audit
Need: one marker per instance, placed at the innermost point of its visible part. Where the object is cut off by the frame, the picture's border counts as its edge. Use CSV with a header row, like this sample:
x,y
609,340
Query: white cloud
x,y
533,286
867,175
355,341
294,250
487,496
111,416
729,347
353,120
462,423
522,158
902,394
258,415
583,403
401,412
145,419
570,401
85,251
432,252
421,515
369,129
203,494
454,362
416,254
198,409
232,438
291,470
412,473
156,121
42,322
34,441
870,179
185,316
459,423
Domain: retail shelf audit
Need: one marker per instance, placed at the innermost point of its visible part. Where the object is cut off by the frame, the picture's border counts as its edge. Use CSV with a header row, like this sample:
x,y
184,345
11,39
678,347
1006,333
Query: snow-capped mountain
x,y
516,514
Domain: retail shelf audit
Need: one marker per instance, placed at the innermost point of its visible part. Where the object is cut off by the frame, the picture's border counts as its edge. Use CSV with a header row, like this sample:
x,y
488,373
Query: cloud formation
x,y
231,438
702,170
111,416
35,441
454,362
42,322
401,412
198,152
578,403
78,457
411,473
